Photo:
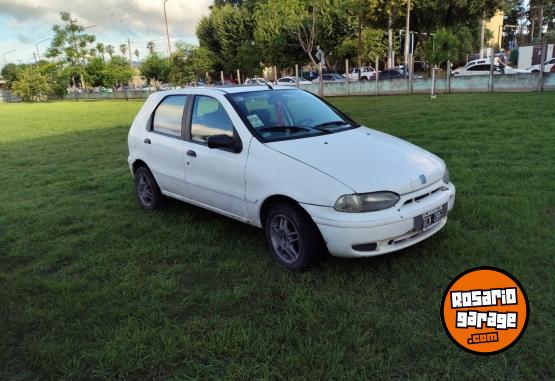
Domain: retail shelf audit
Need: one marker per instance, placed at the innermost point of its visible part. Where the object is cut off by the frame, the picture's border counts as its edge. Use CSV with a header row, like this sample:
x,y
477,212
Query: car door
x,y
215,177
163,144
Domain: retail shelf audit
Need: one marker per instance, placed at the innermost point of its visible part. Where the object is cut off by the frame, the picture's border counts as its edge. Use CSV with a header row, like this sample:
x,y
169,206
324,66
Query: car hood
x,y
366,160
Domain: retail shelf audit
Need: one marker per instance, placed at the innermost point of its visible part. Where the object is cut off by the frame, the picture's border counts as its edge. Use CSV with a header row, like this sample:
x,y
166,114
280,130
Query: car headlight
x,y
366,202
446,176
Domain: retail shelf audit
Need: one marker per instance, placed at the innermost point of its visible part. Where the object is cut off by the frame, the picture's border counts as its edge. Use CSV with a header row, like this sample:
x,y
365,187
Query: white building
x,y
529,55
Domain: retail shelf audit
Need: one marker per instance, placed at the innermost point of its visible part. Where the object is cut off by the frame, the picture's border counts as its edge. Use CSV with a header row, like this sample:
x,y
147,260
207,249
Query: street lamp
x,y
37,46
11,51
167,32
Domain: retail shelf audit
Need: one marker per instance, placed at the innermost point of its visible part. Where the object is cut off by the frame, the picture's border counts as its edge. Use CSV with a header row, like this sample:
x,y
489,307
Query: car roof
x,y
223,89
480,61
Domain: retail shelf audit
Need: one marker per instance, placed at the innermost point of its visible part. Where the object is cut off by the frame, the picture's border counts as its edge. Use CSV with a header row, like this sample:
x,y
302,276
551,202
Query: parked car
x,y
284,160
330,77
547,66
225,83
389,74
366,73
482,67
257,81
292,81
310,75
165,86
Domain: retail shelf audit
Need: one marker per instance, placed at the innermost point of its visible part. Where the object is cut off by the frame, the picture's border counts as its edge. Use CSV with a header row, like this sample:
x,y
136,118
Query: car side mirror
x,y
223,141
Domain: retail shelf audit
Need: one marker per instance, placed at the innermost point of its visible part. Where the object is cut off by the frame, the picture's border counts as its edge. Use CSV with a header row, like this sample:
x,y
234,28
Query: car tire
x,y
364,79
147,190
292,237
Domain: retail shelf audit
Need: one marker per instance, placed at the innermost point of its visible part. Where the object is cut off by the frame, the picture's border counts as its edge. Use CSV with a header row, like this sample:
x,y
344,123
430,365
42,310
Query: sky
x,y
23,24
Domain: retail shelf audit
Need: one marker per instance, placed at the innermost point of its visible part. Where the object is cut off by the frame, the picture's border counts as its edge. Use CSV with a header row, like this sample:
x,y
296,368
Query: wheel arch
x,y
139,163
274,200
280,199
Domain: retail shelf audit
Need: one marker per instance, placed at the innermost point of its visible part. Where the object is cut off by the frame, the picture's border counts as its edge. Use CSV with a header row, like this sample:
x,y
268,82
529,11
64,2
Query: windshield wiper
x,y
283,128
333,123
294,129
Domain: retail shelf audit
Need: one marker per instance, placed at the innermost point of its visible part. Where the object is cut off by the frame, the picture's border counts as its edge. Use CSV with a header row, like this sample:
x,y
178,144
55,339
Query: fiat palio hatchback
x,y
284,160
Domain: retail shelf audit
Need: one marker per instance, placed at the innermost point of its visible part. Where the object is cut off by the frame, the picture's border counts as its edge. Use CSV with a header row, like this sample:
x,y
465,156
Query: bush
x,y
31,85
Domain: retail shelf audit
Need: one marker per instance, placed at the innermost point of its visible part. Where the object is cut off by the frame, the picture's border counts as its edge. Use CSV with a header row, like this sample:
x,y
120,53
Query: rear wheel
x,y
292,237
147,190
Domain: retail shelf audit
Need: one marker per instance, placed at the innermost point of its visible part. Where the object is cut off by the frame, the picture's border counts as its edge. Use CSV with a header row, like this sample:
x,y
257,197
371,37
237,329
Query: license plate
x,y
429,219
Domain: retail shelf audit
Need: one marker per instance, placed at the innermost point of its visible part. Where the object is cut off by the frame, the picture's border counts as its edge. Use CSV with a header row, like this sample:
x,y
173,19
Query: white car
x,y
366,73
292,81
546,66
284,160
482,67
257,81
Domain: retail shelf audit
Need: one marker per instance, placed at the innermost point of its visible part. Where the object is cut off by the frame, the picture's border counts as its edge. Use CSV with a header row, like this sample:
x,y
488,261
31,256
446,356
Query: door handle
x,y
147,140
191,153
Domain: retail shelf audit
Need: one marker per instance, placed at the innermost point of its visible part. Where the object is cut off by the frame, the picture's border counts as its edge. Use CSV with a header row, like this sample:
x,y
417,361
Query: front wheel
x,y
292,237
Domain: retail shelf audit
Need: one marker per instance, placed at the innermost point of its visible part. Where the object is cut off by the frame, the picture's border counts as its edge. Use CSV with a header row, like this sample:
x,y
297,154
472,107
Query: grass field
x,y
93,287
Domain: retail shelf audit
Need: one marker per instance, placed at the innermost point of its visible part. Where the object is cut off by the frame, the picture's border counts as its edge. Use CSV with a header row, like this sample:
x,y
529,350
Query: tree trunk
x,y
389,43
321,82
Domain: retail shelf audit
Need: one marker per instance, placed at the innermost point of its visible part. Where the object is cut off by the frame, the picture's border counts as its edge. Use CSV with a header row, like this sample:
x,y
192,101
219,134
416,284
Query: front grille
x,y
422,196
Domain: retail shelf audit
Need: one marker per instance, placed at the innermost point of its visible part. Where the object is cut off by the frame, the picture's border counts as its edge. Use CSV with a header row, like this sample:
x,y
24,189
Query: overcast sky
x,y
24,23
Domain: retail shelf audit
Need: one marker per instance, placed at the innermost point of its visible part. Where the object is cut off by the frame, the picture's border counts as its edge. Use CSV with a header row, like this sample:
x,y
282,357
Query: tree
x,y
154,68
445,47
374,44
110,50
189,63
117,72
137,54
430,15
307,21
224,32
101,50
71,45
123,49
95,71
31,85
70,42
200,62
10,73
151,46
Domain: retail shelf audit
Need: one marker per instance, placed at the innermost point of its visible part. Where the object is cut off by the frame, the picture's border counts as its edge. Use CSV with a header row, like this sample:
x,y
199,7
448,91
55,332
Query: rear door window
x,y
168,117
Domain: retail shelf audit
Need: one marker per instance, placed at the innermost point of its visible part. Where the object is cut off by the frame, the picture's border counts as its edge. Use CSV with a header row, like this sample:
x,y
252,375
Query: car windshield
x,y
289,114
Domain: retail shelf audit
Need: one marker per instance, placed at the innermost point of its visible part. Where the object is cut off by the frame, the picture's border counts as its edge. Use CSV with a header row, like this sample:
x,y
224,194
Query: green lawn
x,y
93,287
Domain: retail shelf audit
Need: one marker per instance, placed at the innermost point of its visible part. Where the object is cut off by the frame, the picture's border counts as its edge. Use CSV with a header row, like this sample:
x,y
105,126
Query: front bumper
x,y
391,230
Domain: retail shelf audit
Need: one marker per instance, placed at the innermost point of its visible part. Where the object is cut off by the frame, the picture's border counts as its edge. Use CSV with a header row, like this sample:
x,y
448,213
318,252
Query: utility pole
x,y
37,46
359,44
129,49
407,31
167,31
11,51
